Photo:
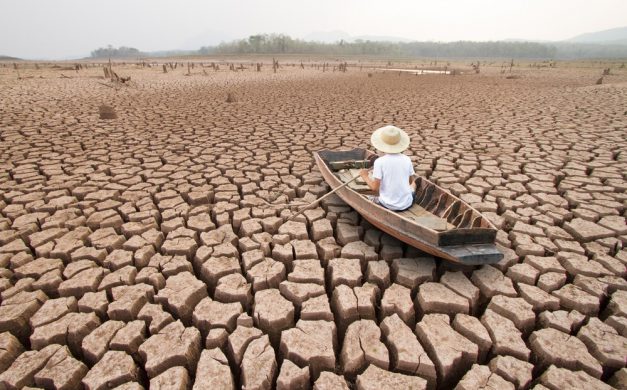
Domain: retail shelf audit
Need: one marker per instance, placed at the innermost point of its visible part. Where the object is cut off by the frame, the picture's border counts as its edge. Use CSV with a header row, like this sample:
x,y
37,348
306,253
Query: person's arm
x,y
374,184
412,173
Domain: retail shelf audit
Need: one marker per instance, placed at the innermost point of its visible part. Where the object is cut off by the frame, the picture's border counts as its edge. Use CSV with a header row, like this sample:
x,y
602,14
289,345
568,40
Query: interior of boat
x,y
434,208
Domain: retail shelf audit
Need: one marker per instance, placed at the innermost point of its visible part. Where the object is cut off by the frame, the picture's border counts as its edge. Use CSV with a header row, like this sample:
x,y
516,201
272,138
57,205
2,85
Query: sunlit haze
x,y
72,29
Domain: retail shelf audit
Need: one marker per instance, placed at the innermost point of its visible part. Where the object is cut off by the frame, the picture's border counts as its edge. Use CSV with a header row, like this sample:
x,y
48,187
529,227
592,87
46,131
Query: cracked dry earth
x,y
140,251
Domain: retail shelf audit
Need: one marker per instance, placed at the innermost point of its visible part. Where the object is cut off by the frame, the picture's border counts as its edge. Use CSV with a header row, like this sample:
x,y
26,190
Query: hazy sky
x,y
73,28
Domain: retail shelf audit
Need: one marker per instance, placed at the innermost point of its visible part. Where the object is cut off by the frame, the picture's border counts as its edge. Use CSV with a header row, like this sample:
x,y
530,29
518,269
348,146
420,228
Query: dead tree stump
x,y
114,76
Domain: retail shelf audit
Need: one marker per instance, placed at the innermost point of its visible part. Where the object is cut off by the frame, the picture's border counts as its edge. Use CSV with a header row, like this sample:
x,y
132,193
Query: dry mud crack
x,y
141,251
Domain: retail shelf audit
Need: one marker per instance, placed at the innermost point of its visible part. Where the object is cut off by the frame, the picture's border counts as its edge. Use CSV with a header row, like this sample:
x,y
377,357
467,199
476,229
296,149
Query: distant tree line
x,y
284,44
112,52
496,49
279,44
569,50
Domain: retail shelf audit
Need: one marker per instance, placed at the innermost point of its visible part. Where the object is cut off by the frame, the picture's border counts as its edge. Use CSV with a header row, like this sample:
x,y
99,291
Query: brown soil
x,y
135,234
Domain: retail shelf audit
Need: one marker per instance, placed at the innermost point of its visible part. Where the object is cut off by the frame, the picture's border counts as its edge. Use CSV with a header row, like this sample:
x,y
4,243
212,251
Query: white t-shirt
x,y
394,171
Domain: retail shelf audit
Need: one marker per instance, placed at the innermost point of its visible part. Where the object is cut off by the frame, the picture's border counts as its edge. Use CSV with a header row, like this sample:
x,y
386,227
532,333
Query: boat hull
x,y
413,234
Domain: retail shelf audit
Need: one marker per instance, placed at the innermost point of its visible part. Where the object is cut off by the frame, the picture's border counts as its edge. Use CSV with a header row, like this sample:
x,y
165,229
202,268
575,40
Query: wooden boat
x,y
438,223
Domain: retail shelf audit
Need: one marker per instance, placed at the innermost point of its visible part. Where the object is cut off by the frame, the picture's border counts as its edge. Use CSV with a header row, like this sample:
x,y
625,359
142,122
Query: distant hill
x,y
208,37
8,58
381,38
526,40
617,36
327,36
339,35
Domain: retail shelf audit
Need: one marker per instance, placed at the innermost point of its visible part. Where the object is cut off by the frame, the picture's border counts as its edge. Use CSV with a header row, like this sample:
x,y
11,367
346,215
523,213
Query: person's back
x,y
394,171
392,174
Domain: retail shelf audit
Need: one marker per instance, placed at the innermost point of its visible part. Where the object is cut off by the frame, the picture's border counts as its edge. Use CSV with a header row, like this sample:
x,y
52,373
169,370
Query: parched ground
x,y
141,251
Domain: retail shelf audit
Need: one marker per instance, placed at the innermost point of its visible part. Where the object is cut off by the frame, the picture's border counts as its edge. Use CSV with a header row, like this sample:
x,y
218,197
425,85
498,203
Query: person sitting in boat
x,y
392,173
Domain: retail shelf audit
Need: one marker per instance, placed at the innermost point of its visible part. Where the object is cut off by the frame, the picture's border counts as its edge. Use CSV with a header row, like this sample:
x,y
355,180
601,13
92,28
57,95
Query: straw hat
x,y
390,139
